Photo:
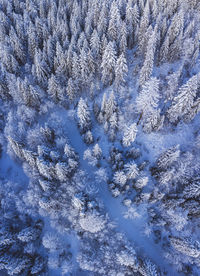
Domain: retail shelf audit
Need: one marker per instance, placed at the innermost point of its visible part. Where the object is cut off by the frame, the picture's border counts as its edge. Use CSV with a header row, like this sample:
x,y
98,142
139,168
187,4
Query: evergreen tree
x,y
95,44
40,69
121,70
183,103
97,152
129,135
147,100
123,38
167,158
110,106
54,90
114,22
71,89
147,68
108,63
83,115
144,24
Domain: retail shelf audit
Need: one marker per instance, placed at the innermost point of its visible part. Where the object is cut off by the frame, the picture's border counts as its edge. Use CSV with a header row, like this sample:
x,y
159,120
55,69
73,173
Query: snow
x,y
155,143
12,171
152,144
132,228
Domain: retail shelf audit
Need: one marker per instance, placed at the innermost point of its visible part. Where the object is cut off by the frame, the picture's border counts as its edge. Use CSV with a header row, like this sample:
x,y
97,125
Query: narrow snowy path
x,y
133,229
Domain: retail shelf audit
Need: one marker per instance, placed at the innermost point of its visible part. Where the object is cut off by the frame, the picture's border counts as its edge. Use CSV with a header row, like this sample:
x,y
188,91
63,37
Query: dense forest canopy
x,y
100,137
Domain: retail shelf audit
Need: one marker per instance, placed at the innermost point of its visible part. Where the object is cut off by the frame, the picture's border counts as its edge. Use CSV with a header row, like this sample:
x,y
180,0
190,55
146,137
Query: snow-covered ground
x,y
132,228
153,144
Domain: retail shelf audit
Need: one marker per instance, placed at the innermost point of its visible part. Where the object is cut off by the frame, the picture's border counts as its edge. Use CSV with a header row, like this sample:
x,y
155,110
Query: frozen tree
x,y
129,22
132,213
89,157
121,70
167,158
123,38
16,147
83,115
120,178
51,241
164,50
128,258
71,89
147,103
185,247
84,62
38,265
150,268
88,137
114,22
32,40
92,222
183,103
144,24
40,69
17,46
131,170
113,120
147,68
141,182
95,44
129,135
101,175
29,234
96,151
69,151
17,264
62,171
54,89
192,190
108,63
172,83
109,106
176,26
76,67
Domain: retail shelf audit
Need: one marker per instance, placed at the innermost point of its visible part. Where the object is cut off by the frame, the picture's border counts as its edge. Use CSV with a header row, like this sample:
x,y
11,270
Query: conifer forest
x,y
100,137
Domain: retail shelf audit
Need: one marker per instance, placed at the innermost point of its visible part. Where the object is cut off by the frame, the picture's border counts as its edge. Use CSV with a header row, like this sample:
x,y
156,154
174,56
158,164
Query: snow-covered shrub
x,y
92,222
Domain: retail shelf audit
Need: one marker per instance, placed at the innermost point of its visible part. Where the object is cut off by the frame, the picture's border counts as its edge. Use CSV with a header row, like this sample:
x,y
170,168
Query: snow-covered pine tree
x,y
95,44
131,170
121,70
84,64
164,50
123,38
110,105
54,89
129,135
108,64
147,102
71,89
192,190
167,158
114,22
144,24
183,103
185,247
172,83
96,151
40,69
129,22
147,68
83,115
